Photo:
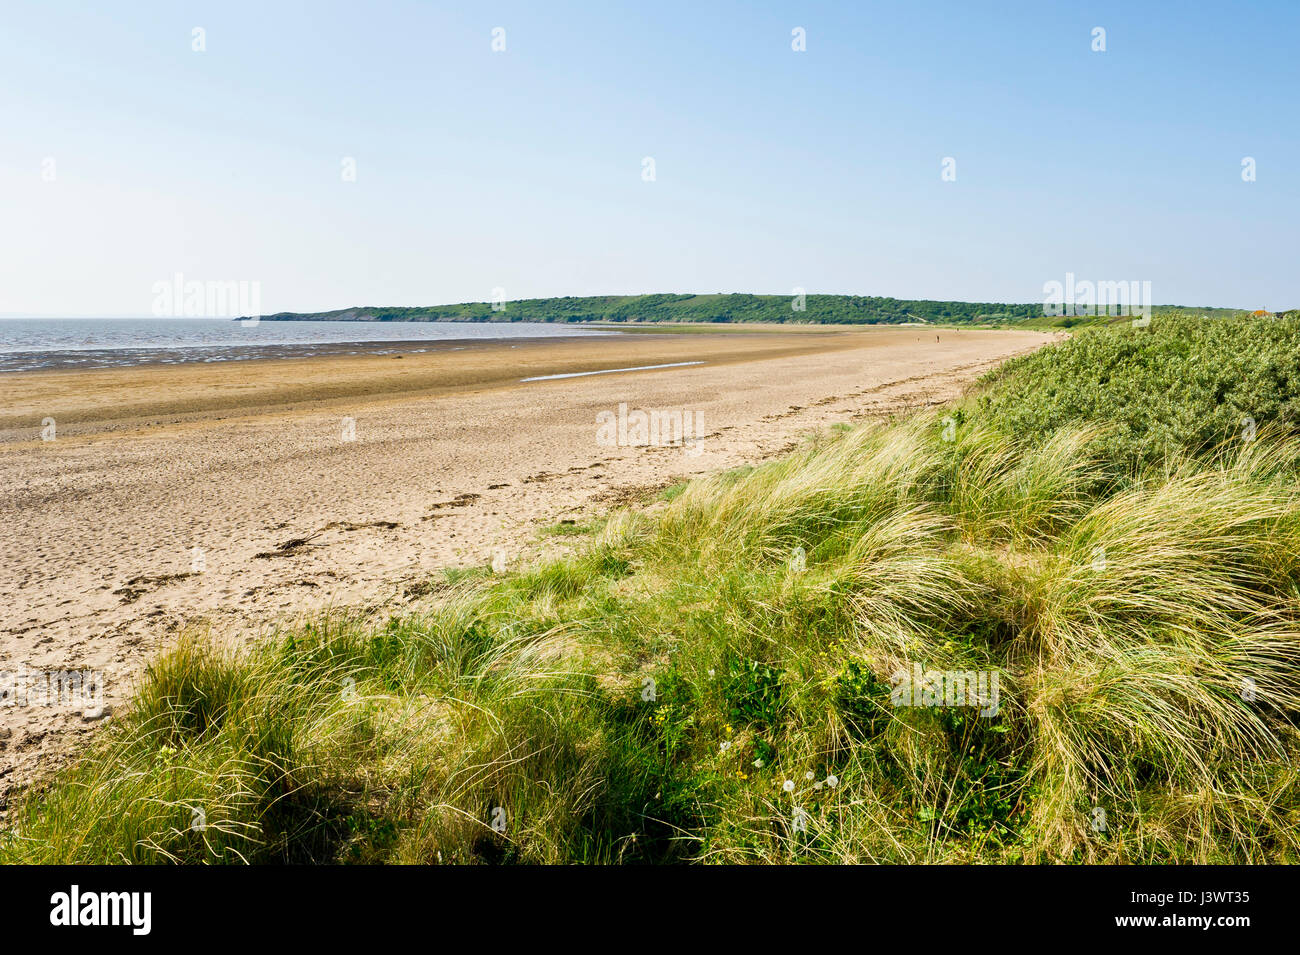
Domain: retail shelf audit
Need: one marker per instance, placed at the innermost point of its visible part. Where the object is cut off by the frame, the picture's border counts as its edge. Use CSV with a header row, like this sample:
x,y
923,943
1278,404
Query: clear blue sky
x,y
522,169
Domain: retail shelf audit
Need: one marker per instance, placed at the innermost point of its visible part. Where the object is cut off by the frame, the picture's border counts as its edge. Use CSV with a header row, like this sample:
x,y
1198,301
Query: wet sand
x,y
229,496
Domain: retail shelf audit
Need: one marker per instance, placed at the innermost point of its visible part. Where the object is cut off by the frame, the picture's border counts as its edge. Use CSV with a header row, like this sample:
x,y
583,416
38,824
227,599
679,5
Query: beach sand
x,y
454,460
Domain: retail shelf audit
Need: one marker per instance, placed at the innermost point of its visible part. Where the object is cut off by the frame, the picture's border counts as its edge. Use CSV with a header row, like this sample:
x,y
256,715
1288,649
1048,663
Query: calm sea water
x,y
30,344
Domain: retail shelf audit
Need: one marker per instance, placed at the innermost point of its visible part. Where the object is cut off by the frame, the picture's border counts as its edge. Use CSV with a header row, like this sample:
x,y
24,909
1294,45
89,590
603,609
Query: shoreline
x,y
90,400
54,359
27,359
279,351
74,360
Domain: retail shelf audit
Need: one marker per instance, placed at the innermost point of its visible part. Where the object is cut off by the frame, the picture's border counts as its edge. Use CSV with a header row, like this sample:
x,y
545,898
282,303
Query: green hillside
x,y
819,309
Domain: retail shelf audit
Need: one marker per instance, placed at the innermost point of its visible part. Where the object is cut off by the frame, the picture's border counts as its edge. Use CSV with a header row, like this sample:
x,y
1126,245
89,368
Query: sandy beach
x,y
225,497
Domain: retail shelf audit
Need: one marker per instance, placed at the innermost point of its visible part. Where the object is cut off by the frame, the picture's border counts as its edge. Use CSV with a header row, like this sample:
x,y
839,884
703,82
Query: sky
x,y
127,156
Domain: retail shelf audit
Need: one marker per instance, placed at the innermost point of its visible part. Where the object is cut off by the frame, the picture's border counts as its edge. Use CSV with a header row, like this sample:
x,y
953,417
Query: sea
x,y
32,344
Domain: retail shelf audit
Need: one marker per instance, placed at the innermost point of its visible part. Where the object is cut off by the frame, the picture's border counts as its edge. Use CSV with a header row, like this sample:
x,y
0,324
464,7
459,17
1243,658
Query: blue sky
x,y
522,169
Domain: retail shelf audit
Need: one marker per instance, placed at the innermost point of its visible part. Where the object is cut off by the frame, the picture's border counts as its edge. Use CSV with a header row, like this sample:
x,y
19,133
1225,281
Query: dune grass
x,y
715,680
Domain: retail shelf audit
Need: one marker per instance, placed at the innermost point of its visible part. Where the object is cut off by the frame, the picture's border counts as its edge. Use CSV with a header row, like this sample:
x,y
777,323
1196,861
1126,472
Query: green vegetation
x,y
1179,384
820,309
715,680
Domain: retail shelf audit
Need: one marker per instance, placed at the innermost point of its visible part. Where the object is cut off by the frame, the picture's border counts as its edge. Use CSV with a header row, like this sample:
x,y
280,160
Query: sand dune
x,y
226,497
